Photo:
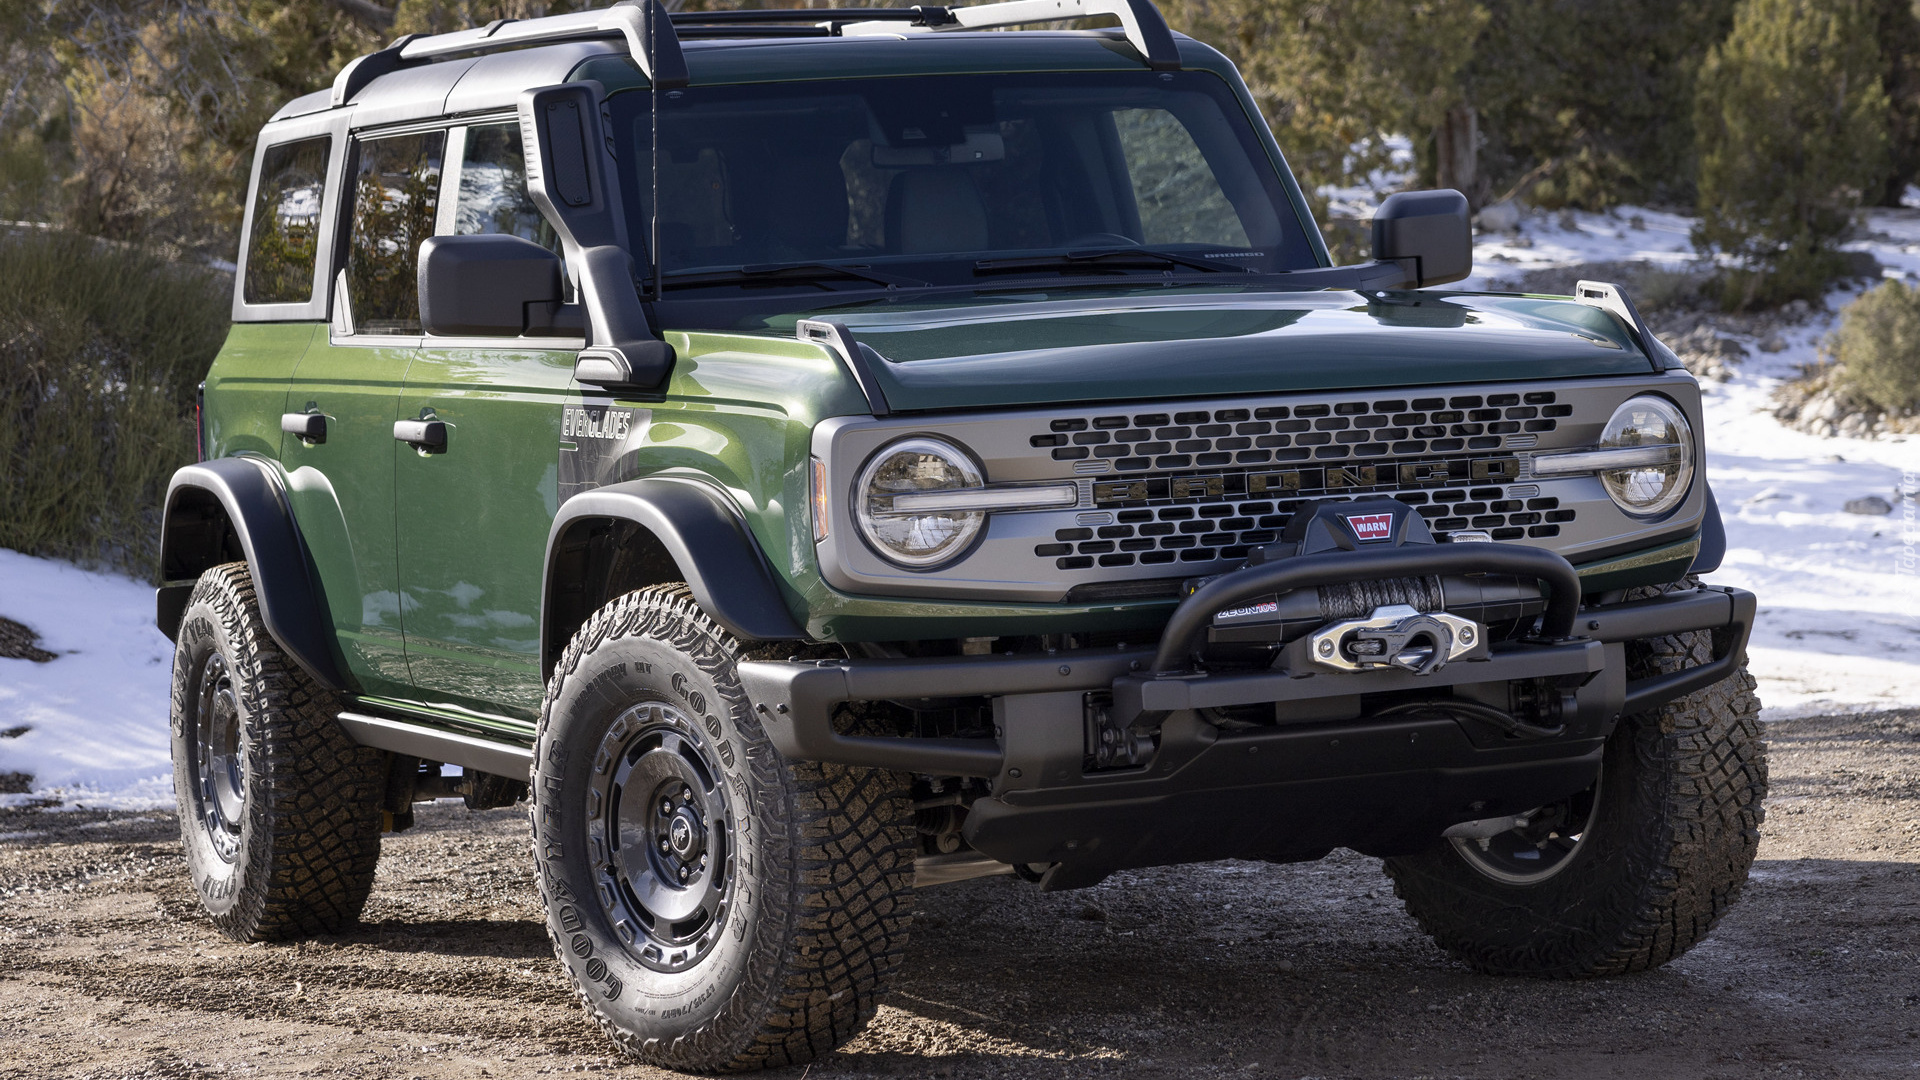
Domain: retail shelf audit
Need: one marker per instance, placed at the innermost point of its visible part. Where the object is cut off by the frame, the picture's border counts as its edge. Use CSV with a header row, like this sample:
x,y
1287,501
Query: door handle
x,y
428,435
310,426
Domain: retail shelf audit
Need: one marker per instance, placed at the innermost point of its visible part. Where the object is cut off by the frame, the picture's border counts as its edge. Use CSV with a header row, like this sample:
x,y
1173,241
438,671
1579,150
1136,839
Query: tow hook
x,y
1396,636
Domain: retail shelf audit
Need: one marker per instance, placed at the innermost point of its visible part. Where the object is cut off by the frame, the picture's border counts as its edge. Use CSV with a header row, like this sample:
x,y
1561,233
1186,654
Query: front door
x,y
341,482
473,517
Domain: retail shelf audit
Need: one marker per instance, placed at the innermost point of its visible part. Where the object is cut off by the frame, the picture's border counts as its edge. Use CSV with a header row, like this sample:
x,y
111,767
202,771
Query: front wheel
x,y
718,907
1628,874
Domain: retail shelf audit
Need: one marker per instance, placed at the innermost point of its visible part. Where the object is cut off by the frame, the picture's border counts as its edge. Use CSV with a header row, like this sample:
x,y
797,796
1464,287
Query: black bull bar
x,y
796,700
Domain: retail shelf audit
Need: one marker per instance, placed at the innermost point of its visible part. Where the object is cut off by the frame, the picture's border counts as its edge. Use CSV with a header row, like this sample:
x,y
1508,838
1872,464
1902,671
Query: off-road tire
x,y
296,854
817,923
1675,831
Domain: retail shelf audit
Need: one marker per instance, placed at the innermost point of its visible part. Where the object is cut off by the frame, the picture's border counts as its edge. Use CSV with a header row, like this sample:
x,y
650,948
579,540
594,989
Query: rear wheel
x,y
717,907
279,809
1628,874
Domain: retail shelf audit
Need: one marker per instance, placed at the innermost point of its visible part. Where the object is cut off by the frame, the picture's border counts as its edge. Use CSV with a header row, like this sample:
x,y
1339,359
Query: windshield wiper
x,y
800,273
1106,259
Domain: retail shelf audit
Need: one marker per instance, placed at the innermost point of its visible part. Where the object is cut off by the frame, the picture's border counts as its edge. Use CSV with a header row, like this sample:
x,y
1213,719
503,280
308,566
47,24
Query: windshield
x,y
911,175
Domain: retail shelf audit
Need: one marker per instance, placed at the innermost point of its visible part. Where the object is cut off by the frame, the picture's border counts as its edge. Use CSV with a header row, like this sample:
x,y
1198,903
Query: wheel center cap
x,y
683,834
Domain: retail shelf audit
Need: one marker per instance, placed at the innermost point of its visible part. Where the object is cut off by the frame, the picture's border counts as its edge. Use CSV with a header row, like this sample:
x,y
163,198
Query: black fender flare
x,y
707,538
1713,539
237,507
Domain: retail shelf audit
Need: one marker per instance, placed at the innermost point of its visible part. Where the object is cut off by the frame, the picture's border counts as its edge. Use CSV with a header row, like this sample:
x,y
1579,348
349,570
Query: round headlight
x,y
918,540
1660,482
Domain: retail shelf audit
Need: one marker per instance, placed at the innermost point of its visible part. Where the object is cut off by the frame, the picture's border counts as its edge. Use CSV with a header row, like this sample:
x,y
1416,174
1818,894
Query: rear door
x,y
342,482
473,518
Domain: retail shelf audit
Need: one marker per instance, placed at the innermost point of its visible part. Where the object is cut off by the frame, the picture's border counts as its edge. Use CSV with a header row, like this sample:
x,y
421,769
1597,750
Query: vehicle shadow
x,y
1271,970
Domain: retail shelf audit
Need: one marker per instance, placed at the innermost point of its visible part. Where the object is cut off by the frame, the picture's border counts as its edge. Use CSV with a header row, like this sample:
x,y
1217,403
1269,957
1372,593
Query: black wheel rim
x,y
1536,851
220,763
662,835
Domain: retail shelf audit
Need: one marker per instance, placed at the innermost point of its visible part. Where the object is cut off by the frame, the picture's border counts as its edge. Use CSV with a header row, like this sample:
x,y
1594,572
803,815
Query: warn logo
x,y
1371,526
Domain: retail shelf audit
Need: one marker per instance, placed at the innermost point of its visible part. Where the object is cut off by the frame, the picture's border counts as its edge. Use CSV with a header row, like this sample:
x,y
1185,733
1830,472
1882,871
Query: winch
x,y
1397,636
1416,624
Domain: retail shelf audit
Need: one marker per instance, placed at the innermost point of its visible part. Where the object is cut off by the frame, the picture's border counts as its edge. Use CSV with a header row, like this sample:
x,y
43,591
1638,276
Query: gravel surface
x,y
108,969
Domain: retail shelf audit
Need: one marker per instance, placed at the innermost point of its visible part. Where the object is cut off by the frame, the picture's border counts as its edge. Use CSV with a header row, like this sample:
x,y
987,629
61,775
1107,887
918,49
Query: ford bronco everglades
x,y
811,455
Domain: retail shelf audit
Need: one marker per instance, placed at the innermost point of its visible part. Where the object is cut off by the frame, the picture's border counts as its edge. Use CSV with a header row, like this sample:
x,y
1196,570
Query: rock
x,y
1500,217
1522,242
19,642
1861,264
1774,343
1637,223
1568,222
1799,309
1709,354
1872,504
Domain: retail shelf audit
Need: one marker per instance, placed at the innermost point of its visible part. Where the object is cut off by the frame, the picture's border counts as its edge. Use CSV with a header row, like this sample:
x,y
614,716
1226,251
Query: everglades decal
x,y
599,444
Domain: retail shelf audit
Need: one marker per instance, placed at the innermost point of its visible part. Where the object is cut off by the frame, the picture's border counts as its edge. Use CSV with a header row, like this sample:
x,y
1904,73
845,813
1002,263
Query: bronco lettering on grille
x,y
1292,483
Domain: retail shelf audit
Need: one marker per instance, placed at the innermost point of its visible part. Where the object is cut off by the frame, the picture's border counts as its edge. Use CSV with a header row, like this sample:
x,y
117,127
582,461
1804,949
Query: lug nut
x,y
683,873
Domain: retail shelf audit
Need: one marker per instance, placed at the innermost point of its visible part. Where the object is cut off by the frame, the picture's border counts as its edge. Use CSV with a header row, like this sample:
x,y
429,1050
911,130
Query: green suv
x,y
813,455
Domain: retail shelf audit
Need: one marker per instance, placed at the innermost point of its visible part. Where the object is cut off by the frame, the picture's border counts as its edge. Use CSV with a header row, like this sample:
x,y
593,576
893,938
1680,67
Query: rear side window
x,y
286,223
493,189
395,195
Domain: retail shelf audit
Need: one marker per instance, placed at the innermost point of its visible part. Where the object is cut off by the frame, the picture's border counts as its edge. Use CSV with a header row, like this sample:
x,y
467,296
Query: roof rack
x,y
1146,31
653,34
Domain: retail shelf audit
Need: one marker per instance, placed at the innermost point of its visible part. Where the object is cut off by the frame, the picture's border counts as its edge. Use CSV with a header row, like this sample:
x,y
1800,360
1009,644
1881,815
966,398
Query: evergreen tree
x,y
1791,118
1590,102
1336,79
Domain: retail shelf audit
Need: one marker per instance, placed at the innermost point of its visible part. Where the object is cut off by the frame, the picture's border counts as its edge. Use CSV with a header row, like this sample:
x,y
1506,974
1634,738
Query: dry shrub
x,y
1877,348
101,348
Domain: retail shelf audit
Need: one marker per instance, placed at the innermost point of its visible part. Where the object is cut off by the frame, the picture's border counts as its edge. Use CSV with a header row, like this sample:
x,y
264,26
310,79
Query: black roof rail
x,y
364,69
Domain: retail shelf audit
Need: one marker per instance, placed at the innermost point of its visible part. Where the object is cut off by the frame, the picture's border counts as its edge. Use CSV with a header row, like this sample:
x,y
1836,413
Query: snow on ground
x,y
1839,624
1839,621
96,714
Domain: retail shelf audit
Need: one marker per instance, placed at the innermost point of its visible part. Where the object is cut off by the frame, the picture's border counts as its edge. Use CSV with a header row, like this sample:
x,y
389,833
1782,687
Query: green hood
x,y
1144,345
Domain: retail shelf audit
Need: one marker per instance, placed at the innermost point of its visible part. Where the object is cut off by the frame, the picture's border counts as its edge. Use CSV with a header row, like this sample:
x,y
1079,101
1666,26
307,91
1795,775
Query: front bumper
x,y
1325,775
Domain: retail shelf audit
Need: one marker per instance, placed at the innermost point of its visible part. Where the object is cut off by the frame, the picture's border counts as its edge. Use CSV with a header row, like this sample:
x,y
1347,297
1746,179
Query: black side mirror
x,y
1427,234
489,286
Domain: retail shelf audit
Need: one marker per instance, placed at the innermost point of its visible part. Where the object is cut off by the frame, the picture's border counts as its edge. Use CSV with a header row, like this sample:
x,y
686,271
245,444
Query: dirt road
x,y
107,968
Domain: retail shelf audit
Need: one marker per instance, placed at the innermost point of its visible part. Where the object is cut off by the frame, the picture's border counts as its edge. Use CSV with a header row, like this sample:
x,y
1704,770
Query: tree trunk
x,y
1457,150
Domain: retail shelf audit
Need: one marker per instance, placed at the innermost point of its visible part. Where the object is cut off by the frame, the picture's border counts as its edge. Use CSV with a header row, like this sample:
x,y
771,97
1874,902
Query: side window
x,y
396,191
1179,198
286,223
493,189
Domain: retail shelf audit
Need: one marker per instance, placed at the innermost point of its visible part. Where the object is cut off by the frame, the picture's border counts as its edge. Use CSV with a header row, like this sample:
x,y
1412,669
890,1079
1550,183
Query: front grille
x,y
1204,485
1301,433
